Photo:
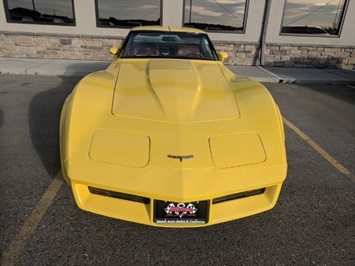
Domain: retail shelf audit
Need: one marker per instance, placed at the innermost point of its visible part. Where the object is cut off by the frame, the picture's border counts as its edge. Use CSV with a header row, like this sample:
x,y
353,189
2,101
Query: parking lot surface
x,y
312,223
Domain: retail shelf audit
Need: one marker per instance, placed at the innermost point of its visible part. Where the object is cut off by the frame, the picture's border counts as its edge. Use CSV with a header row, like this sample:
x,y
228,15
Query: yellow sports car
x,y
168,136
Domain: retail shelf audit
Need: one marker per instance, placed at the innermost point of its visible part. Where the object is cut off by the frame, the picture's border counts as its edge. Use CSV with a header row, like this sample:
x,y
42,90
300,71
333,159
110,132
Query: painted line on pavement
x,y
31,223
321,151
350,86
281,79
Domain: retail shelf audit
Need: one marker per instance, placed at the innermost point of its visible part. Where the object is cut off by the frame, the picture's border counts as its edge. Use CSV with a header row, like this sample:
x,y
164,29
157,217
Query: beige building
x,y
290,33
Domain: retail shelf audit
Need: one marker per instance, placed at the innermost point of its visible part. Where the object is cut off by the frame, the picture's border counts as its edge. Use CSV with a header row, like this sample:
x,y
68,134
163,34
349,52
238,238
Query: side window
x,y
127,13
216,16
51,12
313,17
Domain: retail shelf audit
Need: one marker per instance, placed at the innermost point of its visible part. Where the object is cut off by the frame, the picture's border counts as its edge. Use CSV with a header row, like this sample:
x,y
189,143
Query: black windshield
x,y
165,44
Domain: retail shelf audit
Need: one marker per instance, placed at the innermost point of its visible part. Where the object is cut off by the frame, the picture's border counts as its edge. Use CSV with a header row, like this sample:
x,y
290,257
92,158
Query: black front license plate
x,y
167,212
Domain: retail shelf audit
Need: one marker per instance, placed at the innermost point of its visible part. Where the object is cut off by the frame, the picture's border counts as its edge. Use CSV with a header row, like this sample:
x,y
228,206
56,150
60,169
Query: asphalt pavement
x,y
80,68
312,223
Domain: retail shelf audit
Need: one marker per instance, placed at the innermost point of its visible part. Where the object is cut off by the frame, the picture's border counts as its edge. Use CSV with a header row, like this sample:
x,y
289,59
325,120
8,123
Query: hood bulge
x,y
176,91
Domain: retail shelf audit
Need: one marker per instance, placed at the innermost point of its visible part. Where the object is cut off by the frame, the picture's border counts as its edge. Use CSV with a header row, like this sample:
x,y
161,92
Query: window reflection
x,y
40,11
216,15
166,44
313,17
127,13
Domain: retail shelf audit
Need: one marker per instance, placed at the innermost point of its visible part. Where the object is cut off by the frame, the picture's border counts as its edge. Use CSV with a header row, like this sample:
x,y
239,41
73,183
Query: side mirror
x,y
113,50
222,55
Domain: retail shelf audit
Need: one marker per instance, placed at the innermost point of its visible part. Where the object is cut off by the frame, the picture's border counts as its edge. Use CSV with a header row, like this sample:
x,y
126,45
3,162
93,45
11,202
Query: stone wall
x,y
239,54
54,46
290,55
310,56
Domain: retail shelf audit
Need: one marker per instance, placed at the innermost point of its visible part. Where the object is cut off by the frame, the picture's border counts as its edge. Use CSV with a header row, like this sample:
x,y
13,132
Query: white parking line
x,y
281,79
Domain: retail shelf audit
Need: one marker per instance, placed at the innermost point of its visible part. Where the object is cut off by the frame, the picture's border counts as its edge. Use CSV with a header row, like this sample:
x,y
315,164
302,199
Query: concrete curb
x,y
80,68
313,75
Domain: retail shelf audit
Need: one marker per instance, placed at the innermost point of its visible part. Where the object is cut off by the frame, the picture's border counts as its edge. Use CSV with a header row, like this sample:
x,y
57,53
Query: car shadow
x,y
340,92
44,116
1,117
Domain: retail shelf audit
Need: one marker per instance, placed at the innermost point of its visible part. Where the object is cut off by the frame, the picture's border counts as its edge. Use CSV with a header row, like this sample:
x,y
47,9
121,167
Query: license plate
x,y
167,212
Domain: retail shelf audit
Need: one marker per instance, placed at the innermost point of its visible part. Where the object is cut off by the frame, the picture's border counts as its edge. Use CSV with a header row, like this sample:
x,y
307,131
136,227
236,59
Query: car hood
x,y
176,91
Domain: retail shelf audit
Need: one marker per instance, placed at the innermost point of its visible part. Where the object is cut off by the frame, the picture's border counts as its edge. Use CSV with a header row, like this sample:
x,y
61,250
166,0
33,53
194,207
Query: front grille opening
x,y
118,195
239,195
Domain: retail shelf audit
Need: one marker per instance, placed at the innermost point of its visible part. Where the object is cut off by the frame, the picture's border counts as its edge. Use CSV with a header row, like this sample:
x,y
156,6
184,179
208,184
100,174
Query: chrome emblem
x,y
183,157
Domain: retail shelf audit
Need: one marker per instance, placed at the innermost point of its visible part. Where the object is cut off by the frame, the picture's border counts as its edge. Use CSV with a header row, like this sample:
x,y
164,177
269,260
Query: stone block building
x,y
285,33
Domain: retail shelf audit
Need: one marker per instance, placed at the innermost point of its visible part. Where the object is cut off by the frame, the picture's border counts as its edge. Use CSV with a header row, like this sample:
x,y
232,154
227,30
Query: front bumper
x,y
230,194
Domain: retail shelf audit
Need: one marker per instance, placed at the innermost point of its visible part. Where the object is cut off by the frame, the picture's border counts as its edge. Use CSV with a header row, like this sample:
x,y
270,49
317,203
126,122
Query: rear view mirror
x,y
222,56
113,50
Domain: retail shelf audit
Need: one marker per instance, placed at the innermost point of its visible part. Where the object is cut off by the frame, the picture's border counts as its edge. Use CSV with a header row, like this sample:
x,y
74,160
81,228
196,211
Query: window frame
x,y
245,20
341,24
97,18
9,20
120,53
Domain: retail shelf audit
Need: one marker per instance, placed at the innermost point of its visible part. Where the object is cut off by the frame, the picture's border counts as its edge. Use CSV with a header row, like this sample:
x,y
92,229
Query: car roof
x,y
171,29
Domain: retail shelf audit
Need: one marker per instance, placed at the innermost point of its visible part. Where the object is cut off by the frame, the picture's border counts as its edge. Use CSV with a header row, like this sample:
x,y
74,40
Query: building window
x,y
315,17
52,12
216,15
127,13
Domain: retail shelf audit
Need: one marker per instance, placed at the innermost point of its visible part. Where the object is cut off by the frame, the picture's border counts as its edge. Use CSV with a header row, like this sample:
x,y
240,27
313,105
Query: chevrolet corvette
x,y
168,136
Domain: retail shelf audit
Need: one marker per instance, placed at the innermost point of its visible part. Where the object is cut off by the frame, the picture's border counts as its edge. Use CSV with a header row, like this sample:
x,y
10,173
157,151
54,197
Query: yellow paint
x,y
119,149
31,223
222,56
173,90
179,105
237,150
320,150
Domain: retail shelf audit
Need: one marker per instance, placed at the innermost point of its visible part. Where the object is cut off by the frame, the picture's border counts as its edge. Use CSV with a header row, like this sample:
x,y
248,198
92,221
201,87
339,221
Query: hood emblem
x,y
183,157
